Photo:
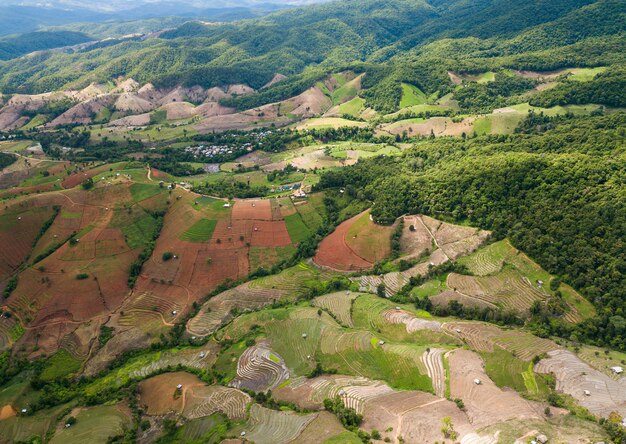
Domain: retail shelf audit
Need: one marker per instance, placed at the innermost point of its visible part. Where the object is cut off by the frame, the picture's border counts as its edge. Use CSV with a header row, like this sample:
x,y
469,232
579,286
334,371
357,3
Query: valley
x,y
346,222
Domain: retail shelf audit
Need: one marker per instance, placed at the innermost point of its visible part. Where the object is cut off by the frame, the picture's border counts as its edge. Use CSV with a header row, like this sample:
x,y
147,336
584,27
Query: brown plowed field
x,y
252,210
335,253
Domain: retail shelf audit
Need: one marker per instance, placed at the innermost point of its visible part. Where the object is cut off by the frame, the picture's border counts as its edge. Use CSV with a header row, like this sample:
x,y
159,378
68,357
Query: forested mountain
x,y
340,34
12,47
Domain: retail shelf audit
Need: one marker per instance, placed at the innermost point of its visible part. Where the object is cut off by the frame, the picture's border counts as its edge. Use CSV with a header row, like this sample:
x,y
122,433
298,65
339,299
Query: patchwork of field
x,y
500,121
331,155
78,269
209,242
430,242
287,285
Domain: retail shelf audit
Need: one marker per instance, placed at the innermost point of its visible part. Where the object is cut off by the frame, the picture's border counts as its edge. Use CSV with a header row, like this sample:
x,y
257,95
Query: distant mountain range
x,y
30,15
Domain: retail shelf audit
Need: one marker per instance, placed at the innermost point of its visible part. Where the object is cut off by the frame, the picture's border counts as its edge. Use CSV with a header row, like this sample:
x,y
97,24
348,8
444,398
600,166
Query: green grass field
x,y
508,371
137,226
36,121
201,231
298,230
59,365
344,438
585,74
143,191
94,425
411,96
353,107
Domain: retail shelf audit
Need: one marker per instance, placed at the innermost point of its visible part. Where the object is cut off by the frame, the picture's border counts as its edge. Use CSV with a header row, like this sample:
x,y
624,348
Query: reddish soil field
x,y
27,190
157,394
156,174
252,210
270,234
17,233
334,253
77,178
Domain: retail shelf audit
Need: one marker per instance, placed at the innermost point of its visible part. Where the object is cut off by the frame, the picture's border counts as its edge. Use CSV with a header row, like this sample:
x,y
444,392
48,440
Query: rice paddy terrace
x,y
322,328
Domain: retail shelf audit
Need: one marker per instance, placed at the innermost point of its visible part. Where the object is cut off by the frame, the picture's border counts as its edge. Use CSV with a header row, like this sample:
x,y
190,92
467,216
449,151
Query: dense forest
x,y
559,195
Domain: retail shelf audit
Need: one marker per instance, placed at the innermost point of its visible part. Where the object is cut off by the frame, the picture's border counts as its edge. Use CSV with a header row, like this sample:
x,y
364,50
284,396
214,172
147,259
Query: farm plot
x,y
577,378
368,240
159,395
218,310
297,341
559,428
260,369
483,337
95,425
338,304
22,428
433,362
485,403
19,228
274,427
377,314
507,278
335,253
325,426
506,289
288,284
77,283
412,322
396,364
415,239
205,400
200,358
413,415
454,240
420,235
80,176
353,390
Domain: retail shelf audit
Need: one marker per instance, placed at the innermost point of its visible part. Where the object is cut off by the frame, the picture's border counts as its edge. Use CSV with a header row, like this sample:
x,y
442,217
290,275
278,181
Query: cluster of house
x,y
206,151
294,187
209,151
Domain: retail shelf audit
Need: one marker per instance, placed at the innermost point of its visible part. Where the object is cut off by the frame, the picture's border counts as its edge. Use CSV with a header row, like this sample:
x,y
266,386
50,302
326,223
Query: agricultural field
x,y
95,424
356,244
507,278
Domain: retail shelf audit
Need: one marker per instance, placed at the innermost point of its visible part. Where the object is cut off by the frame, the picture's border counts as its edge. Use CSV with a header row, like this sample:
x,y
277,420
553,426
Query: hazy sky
x,y
121,4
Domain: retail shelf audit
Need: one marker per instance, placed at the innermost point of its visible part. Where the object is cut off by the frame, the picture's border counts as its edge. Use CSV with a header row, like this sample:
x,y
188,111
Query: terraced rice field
x,y
95,425
483,337
446,241
297,350
574,377
433,362
205,400
200,358
412,322
485,403
260,369
275,427
339,305
288,284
